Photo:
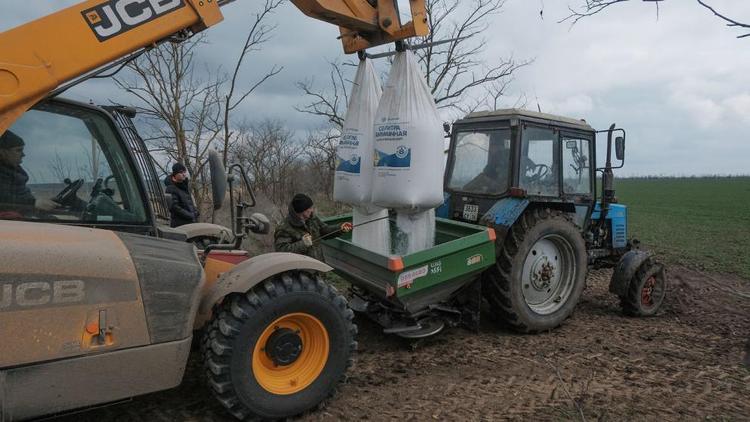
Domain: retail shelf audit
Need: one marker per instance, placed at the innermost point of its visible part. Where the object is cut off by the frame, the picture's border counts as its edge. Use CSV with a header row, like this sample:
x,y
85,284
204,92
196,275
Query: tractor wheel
x,y
540,272
646,290
280,349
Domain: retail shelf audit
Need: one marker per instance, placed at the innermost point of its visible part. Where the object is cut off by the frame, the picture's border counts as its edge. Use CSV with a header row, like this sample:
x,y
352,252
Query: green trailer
x,y
416,295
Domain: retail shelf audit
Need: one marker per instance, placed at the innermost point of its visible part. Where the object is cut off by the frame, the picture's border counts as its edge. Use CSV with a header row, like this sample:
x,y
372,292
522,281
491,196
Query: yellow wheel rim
x,y
290,354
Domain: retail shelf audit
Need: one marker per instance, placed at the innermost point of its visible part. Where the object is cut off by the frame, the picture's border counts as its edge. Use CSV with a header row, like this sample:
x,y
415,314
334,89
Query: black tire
x,y
537,305
231,342
646,290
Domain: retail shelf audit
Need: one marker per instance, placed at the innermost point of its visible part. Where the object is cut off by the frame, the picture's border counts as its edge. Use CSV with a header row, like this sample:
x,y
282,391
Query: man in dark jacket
x,y
16,199
182,211
302,230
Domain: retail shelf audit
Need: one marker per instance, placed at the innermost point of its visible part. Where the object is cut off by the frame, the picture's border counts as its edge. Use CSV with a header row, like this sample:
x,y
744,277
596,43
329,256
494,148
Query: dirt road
x,y
681,365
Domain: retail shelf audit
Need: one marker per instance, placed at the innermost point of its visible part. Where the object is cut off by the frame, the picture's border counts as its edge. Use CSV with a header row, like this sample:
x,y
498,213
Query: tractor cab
x,y
519,154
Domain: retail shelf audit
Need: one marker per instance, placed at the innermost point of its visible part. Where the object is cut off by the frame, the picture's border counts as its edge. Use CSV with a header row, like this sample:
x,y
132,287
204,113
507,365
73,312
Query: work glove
x,y
307,240
346,227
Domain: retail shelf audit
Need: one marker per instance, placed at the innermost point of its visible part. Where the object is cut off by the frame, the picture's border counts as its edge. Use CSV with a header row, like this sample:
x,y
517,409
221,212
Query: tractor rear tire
x,y
540,272
646,290
280,349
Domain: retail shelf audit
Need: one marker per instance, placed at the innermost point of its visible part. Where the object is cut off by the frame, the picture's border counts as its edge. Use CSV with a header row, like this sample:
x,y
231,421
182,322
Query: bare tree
x,y
455,71
459,79
273,160
60,169
320,154
183,111
592,7
258,35
188,114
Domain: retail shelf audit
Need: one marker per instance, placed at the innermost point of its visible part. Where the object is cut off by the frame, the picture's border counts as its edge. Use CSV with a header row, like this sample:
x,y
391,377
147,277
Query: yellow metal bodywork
x,y
363,25
51,323
41,55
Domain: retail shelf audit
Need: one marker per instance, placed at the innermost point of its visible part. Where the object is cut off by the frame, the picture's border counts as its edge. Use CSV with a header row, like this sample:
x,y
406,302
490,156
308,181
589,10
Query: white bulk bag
x,y
372,229
354,161
416,232
408,141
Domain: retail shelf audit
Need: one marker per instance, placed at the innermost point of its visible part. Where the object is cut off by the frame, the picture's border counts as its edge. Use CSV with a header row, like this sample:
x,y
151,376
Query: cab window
x,y
61,162
482,162
538,172
576,166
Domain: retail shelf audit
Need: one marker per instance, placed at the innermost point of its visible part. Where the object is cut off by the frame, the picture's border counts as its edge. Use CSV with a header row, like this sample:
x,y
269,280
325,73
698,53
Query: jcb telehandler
x,y
99,299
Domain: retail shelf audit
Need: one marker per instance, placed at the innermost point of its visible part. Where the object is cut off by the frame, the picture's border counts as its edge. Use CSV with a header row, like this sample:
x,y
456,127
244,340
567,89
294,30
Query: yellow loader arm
x,y
39,56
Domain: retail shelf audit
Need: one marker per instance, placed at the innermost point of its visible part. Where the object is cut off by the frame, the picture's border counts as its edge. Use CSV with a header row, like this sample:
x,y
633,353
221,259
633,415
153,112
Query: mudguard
x,y
249,273
194,230
626,269
503,215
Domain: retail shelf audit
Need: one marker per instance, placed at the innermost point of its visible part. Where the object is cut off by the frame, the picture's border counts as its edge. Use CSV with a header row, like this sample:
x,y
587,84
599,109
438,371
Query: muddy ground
x,y
684,364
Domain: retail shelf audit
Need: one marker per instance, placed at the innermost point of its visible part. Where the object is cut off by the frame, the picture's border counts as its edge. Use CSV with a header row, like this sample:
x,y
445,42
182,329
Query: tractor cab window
x,y
538,170
64,163
481,162
576,166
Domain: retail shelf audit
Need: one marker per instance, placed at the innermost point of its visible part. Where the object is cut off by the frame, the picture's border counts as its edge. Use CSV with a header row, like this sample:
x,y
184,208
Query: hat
x,y
301,202
178,168
10,140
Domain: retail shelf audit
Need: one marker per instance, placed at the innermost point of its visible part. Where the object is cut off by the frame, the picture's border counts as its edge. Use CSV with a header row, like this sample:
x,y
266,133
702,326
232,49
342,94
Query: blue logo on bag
x,y
401,159
353,165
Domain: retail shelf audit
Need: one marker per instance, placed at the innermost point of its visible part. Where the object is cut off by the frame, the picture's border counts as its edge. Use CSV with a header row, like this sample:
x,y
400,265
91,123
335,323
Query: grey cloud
x,y
678,84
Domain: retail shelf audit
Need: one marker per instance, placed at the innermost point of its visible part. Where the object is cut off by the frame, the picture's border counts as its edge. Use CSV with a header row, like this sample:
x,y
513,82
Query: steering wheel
x,y
535,172
539,172
68,194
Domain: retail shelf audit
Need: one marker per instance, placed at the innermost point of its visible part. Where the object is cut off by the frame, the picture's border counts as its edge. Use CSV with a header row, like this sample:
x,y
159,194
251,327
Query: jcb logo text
x,y
40,293
114,17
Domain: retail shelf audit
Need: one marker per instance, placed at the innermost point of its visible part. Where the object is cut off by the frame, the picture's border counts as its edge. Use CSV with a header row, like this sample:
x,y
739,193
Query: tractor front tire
x,y
280,349
646,290
539,273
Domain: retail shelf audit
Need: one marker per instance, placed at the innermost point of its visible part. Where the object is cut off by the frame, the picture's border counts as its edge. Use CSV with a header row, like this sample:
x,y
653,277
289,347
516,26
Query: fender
x,y
503,215
250,273
626,269
194,230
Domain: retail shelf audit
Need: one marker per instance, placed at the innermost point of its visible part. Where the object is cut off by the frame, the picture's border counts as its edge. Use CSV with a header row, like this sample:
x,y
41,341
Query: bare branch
x,y
593,7
731,22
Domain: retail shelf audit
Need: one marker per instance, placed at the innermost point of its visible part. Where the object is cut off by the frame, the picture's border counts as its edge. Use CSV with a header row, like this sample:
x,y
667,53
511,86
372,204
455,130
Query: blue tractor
x,y
532,177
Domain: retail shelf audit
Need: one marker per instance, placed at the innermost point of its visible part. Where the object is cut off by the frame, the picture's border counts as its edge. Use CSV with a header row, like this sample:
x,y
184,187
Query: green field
x,y
701,223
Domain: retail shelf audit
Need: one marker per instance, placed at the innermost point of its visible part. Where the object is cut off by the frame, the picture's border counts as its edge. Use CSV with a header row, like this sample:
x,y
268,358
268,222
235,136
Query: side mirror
x,y
259,223
218,179
620,148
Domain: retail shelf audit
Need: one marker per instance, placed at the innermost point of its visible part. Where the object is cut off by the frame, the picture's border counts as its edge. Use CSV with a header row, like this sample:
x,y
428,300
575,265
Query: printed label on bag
x,y
348,159
391,149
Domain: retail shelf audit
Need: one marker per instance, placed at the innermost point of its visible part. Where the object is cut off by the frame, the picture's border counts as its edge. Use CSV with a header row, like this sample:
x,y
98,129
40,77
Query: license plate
x,y
471,212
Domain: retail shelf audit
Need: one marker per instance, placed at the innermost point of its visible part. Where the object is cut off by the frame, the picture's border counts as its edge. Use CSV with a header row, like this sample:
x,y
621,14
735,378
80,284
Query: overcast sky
x,y
679,84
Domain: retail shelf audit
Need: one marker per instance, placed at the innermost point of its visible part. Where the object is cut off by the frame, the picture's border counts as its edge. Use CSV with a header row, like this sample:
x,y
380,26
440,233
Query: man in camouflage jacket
x,y
302,230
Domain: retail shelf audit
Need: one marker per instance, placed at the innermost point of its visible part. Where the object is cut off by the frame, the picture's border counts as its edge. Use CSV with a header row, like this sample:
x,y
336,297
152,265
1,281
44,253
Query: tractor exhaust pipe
x,y
608,192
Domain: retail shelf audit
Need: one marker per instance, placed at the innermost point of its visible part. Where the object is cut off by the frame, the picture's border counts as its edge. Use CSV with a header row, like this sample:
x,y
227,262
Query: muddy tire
x,y
646,290
280,349
539,273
